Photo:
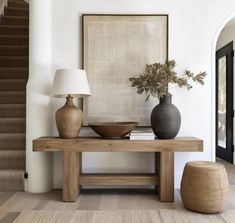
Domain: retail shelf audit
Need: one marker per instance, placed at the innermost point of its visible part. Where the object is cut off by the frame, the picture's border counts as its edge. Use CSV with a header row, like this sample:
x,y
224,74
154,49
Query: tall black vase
x,y
165,119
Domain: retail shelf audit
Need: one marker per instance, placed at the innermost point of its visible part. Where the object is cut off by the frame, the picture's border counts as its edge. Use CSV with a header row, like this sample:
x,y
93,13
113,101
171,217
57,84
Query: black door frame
x,y
226,154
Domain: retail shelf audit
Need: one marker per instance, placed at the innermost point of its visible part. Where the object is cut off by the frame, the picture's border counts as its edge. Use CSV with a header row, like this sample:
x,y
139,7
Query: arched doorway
x,y
223,90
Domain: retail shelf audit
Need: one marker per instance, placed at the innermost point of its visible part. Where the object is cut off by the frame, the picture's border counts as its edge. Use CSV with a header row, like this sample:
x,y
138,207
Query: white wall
x,y
38,110
227,35
193,27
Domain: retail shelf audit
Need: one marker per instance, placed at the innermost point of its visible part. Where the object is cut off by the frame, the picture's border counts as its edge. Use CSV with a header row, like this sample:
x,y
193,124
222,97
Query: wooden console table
x,y
72,149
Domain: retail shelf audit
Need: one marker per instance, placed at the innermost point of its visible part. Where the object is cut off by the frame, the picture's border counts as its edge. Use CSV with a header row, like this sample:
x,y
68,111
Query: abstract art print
x,y
115,48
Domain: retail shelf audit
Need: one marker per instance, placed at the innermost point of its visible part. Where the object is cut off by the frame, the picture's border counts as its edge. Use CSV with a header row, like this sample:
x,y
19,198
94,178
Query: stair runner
x,y
14,29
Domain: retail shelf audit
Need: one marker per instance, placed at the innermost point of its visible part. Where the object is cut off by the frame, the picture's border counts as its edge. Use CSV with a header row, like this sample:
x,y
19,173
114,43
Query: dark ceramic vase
x,y
165,119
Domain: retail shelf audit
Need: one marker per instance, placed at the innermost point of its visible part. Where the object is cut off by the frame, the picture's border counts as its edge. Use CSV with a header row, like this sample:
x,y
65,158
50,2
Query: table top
x,y
98,144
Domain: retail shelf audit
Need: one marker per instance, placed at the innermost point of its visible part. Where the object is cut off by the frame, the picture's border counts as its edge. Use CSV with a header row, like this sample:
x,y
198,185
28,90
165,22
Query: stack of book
x,y
142,135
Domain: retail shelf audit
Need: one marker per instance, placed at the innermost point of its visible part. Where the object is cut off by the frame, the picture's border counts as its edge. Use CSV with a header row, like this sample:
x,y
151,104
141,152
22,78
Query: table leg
x,y
165,169
70,175
157,168
79,156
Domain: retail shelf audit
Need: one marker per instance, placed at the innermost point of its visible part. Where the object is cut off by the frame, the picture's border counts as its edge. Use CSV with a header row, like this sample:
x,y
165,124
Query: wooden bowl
x,y
113,129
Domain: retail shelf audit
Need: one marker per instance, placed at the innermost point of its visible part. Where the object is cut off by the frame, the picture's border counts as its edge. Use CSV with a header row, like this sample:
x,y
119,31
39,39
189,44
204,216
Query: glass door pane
x,y
222,102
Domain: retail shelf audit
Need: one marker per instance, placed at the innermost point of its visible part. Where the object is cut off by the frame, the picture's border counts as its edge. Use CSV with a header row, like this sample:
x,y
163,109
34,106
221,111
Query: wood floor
x,y
11,203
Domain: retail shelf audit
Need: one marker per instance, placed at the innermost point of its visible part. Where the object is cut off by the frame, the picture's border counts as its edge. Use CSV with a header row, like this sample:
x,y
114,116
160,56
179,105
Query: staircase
x,y
14,29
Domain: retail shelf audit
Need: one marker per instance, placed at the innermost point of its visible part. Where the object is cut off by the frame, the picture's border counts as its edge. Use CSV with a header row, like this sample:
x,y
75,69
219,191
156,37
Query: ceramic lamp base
x,y
69,120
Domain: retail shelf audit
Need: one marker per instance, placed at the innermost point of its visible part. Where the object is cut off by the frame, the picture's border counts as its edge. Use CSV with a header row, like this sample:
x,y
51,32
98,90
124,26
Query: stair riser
x,y
11,112
14,73
15,161
14,21
12,98
12,164
14,62
15,41
11,30
16,12
14,51
12,85
12,182
17,5
12,143
11,186
12,127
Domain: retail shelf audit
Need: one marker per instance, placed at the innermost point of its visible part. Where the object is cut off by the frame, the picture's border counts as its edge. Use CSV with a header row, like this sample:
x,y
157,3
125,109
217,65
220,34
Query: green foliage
x,y
156,78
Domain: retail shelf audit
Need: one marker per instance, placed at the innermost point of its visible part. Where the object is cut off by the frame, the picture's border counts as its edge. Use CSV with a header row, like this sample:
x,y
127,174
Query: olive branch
x,y
156,78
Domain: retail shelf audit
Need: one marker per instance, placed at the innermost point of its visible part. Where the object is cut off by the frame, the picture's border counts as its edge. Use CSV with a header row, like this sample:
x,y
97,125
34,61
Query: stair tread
x,y
14,36
15,46
10,135
20,2
14,26
15,17
17,5
11,105
13,61
11,172
16,8
12,119
4,136
14,69
13,84
12,153
12,92
14,57
11,162
15,80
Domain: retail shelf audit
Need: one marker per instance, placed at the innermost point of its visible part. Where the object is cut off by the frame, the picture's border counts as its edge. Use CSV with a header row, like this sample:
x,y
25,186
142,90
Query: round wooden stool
x,y
204,187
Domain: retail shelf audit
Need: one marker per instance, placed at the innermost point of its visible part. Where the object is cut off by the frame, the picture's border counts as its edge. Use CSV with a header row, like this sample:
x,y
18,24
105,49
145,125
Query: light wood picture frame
x,y
115,48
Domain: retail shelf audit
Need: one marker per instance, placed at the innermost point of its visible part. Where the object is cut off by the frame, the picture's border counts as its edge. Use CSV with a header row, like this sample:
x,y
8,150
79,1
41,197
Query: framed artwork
x,y
115,48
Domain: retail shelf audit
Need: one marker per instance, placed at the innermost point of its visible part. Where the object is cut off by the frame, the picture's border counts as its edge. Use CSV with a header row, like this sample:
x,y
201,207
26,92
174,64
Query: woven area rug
x,y
138,216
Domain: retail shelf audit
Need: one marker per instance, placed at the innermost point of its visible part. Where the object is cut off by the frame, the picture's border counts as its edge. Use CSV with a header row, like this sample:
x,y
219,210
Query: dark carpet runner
x,y
14,30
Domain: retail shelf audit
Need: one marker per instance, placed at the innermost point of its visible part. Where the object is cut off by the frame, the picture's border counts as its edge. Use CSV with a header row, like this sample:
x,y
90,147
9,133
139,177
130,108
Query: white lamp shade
x,y
70,81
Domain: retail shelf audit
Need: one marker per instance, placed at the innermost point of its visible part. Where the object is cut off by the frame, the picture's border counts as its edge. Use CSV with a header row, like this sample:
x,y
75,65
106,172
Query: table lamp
x,y
69,83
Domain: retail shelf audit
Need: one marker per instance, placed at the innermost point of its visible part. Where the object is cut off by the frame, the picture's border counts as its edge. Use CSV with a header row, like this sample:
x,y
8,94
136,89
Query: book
x,y
142,133
142,137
